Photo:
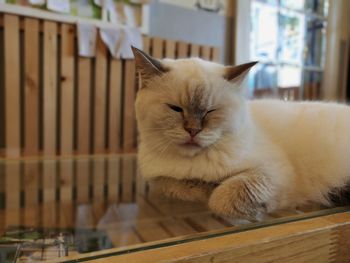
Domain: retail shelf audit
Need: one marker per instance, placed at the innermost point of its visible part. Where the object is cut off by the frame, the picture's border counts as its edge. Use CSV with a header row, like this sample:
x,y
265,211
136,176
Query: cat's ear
x,y
147,66
237,73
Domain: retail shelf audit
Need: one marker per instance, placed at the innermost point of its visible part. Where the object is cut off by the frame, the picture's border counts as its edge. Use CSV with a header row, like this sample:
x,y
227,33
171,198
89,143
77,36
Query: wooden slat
x,y
204,222
182,50
127,174
170,48
115,106
31,216
30,186
100,97
12,193
83,177
151,231
141,184
31,181
50,88
66,180
174,207
12,86
129,112
157,47
49,181
205,52
146,41
31,88
66,215
178,227
49,215
84,108
215,54
194,50
113,173
67,89
98,179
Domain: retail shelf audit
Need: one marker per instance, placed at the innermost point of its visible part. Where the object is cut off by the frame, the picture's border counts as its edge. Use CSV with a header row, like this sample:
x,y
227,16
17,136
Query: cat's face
x,y
186,106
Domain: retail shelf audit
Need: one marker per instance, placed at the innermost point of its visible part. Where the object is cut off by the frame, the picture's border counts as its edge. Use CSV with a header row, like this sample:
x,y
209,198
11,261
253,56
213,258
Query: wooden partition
x,y
53,102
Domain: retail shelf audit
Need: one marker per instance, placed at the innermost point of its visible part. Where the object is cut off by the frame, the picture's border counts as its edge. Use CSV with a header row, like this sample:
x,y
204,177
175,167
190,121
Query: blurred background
x,y
67,80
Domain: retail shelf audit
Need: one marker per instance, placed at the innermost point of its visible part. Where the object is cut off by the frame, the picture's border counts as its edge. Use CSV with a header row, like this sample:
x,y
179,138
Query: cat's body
x,y
251,156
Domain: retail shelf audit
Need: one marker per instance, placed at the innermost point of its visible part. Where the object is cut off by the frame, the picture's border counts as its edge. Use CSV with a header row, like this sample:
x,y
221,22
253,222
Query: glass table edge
x,y
207,235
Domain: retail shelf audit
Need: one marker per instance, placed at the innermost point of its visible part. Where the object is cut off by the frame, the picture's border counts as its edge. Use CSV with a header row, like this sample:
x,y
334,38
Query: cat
x,y
202,140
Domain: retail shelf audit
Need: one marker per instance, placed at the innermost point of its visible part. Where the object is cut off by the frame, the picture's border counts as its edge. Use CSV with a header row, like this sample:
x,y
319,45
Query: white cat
x,y
200,139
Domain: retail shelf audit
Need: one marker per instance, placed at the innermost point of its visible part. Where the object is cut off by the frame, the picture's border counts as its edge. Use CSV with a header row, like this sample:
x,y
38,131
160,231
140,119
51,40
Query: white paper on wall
x,y
87,34
130,15
131,37
112,37
36,2
104,3
62,6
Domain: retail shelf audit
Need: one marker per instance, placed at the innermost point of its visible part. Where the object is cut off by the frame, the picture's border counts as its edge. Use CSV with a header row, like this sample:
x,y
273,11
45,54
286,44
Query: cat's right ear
x,y
147,66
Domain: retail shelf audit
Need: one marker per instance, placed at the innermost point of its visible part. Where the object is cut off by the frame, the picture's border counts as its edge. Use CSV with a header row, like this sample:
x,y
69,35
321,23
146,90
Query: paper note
x,y
87,34
129,12
104,3
112,37
37,2
61,6
131,37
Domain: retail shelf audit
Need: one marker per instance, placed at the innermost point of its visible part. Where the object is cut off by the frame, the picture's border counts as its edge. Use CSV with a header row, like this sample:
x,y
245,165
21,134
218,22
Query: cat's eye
x,y
209,111
175,108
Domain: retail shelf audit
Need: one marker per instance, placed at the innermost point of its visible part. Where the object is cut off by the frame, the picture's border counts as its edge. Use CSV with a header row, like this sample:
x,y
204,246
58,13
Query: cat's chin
x,y
189,149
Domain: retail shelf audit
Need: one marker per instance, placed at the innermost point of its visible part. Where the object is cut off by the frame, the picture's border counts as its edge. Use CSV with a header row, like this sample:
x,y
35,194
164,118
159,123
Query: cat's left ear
x,y
238,73
147,66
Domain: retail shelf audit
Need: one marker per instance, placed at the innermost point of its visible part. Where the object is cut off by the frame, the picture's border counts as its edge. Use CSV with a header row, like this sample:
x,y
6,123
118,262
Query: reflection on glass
x,y
319,7
315,43
312,84
291,37
264,76
264,32
293,4
289,76
67,207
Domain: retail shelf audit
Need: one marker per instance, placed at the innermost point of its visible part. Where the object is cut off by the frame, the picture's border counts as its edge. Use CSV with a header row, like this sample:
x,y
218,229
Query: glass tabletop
x,y
51,209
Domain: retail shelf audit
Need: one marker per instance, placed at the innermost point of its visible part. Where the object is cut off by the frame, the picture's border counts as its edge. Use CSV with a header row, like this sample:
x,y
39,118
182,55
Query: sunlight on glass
x,y
293,4
292,31
264,32
289,77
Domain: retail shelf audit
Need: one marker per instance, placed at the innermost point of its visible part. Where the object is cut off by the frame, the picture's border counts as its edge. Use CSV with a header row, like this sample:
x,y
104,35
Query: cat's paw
x,y
234,199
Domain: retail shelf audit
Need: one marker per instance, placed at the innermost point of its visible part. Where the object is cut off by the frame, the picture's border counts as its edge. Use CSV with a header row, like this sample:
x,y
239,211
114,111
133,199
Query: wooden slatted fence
x,y
53,102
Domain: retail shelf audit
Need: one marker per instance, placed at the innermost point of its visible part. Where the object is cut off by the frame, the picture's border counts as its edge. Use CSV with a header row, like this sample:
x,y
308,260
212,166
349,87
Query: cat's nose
x,y
193,131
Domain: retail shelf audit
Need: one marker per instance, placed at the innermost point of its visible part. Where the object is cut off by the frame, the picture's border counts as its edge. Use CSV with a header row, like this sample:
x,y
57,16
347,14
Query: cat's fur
x,y
253,156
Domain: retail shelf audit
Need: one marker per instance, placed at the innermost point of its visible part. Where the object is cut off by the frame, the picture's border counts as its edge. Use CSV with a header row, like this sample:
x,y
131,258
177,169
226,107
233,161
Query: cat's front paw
x,y
234,199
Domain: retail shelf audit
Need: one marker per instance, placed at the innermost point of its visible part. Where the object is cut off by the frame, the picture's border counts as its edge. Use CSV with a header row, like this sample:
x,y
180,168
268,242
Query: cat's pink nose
x,y
192,131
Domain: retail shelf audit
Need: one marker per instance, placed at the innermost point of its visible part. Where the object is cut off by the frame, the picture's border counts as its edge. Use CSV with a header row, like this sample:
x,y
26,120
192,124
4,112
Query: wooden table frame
x,y
319,239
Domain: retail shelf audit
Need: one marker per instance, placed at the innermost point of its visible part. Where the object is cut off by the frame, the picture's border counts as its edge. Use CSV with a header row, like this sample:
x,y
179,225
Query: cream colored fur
x,y
286,153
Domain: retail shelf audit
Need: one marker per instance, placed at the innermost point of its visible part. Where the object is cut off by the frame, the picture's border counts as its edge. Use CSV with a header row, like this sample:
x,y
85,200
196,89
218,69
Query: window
x,y
288,38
